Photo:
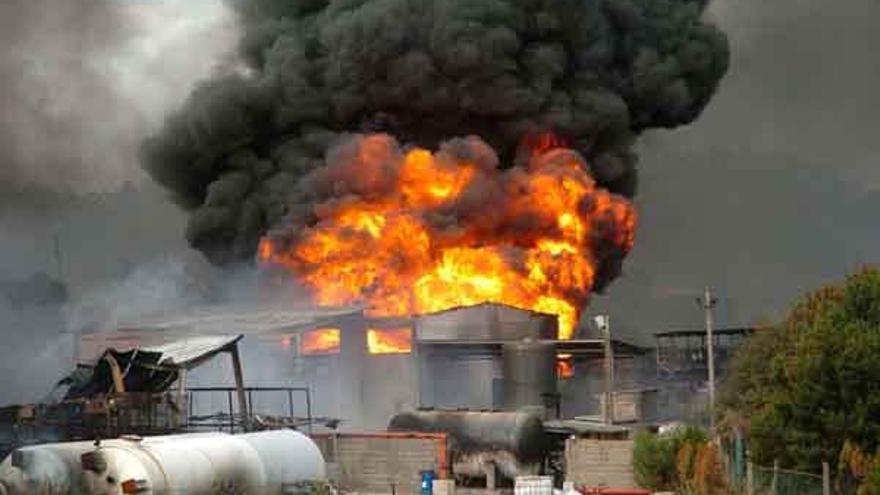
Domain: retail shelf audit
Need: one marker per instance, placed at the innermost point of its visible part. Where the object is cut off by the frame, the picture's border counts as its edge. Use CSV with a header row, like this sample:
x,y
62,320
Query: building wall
x,y
599,463
390,383
581,394
376,463
364,396
450,379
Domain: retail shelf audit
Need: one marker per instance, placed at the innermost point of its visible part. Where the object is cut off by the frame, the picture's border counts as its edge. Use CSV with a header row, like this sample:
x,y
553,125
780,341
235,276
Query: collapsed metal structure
x,y
142,390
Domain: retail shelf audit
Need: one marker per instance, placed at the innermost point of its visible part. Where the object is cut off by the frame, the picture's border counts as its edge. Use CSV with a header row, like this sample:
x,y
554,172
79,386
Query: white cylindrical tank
x,y
195,464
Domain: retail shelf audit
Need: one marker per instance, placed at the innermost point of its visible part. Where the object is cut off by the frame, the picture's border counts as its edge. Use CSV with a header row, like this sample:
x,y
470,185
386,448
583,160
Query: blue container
x,y
427,482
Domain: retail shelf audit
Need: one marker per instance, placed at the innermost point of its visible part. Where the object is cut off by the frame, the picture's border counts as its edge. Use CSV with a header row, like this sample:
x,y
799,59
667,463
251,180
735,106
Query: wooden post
x,y
826,478
750,478
239,386
116,374
774,482
608,363
708,303
182,410
489,470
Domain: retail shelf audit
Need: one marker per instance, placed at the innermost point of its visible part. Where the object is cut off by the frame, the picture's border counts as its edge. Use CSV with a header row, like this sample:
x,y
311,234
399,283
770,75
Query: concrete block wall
x,y
599,463
382,462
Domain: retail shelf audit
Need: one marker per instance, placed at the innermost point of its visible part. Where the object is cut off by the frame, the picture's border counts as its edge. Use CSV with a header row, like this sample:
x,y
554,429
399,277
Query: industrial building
x,y
364,369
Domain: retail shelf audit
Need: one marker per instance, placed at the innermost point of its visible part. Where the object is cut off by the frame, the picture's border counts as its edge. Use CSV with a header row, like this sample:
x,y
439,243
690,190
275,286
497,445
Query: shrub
x,y
655,456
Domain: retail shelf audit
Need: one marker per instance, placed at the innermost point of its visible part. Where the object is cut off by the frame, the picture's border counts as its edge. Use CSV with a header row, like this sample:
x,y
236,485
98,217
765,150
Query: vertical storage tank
x,y
529,374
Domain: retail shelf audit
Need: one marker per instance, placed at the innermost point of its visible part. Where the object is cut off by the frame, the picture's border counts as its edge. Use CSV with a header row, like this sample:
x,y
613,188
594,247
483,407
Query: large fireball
x,y
408,231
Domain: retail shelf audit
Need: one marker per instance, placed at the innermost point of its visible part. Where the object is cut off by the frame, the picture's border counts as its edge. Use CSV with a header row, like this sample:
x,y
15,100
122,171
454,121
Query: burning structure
x,y
482,357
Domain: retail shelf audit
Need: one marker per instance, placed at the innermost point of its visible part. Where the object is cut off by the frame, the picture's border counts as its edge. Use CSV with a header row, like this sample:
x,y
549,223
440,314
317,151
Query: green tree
x,y
809,384
655,456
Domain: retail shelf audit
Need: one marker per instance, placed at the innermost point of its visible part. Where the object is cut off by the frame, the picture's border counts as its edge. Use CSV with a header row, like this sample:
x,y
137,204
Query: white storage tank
x,y
196,464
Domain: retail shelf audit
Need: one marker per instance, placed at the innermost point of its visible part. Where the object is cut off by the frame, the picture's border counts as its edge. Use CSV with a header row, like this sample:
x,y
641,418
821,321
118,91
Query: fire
x,y
564,366
535,144
420,232
389,340
320,341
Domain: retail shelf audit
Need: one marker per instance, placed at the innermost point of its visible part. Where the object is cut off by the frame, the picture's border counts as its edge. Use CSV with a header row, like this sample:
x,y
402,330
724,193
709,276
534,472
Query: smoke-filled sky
x,y
82,82
770,193
775,189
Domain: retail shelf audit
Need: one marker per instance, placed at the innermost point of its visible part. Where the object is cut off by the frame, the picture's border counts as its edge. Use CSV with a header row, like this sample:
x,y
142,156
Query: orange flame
x,y
448,232
389,340
542,142
564,366
320,341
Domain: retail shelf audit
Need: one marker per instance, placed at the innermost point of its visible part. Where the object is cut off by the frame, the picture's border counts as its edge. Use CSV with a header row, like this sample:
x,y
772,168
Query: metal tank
x,y
195,464
514,441
529,374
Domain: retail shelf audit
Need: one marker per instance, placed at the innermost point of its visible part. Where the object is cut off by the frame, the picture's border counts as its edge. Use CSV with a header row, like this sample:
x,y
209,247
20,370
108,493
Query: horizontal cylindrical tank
x,y
529,371
195,464
521,433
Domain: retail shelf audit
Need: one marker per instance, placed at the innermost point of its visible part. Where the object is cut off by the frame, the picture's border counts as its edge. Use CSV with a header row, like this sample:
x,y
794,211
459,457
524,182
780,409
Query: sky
x,y
83,81
773,191
770,193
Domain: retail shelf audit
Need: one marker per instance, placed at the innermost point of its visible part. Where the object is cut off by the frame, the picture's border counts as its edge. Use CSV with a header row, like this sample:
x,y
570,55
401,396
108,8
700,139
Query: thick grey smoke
x,y
789,200
82,82
30,310
596,72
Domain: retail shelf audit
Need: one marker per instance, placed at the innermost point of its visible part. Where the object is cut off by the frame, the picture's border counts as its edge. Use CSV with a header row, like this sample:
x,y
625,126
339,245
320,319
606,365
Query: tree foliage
x,y
810,384
656,456
699,470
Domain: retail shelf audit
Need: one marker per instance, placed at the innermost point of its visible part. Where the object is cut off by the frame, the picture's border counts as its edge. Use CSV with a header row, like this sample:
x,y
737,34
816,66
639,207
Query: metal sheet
x,y
484,322
192,351
216,321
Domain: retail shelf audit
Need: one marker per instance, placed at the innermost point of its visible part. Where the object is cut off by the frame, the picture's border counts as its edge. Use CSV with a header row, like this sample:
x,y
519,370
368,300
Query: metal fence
x,y
747,478
776,481
204,411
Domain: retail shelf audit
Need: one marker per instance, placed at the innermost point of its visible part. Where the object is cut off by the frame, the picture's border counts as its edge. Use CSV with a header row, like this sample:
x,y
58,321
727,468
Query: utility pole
x,y
59,265
708,302
604,324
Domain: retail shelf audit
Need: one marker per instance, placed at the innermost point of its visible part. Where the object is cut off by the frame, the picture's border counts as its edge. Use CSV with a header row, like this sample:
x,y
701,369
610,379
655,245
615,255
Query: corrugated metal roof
x,y
484,322
192,351
211,321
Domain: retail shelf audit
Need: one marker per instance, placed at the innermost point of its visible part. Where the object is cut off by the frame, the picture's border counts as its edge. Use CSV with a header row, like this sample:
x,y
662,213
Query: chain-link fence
x,y
770,481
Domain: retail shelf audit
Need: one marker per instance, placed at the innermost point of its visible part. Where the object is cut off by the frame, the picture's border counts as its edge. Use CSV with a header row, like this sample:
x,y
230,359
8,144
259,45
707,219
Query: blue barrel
x,y
427,482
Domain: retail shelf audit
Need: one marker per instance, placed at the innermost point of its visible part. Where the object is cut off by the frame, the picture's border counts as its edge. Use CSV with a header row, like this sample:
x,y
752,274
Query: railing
x,y
163,413
233,419
777,481
747,478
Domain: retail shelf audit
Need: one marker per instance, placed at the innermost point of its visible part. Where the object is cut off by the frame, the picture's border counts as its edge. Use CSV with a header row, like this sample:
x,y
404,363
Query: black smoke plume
x,y
595,72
